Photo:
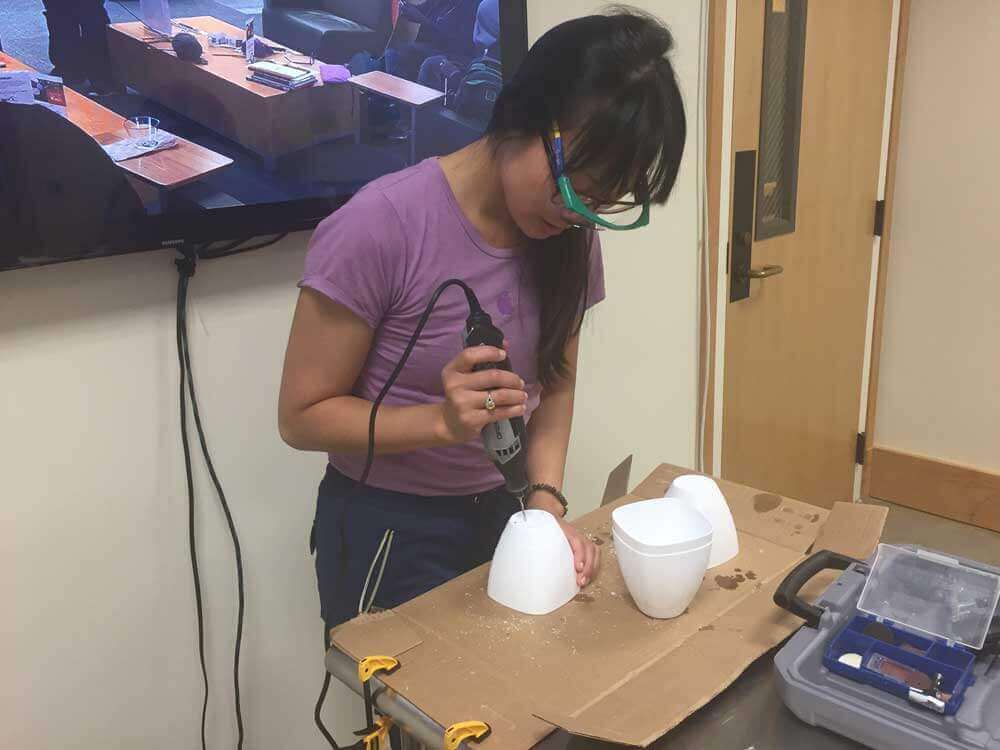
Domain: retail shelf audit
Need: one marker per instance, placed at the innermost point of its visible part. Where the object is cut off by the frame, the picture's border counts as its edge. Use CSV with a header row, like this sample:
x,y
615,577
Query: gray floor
x,y
907,526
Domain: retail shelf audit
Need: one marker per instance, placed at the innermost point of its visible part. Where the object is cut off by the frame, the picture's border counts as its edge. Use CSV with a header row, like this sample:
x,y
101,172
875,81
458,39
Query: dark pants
x,y
377,548
78,42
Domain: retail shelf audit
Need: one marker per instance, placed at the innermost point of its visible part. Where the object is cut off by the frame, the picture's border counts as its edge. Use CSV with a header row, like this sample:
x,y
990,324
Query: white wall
x,y
939,388
97,640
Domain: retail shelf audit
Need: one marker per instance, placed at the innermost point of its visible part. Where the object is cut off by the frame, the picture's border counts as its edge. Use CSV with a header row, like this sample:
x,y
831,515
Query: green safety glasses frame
x,y
578,205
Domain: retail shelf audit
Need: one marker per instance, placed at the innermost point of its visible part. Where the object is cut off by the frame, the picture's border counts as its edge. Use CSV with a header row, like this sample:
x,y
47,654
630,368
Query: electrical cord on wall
x,y
185,270
370,458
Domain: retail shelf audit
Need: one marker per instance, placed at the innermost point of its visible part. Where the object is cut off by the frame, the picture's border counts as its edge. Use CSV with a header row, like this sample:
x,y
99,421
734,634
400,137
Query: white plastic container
x,y
704,495
663,549
532,569
662,585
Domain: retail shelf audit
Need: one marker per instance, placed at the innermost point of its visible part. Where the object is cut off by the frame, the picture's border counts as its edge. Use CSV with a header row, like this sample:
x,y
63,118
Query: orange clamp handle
x,y
456,734
379,738
372,665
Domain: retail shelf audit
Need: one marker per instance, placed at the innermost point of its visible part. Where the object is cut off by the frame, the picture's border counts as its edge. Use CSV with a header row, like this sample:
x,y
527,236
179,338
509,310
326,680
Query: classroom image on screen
x,y
156,108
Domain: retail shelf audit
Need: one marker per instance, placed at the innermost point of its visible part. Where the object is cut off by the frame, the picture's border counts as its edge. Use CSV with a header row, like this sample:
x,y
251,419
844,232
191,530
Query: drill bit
x,y
524,513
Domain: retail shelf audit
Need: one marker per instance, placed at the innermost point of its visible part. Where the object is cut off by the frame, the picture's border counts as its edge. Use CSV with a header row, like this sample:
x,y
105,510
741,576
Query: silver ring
x,y
490,403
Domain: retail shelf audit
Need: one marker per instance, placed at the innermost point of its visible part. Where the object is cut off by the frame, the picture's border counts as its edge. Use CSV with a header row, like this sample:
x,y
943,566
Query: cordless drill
x,y
504,440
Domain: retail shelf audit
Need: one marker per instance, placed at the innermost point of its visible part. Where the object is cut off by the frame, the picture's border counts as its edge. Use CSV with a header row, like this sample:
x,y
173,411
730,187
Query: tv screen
x,y
143,123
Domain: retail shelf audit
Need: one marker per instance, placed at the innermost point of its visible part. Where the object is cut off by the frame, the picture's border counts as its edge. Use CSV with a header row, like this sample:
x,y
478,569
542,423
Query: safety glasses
x,y
618,216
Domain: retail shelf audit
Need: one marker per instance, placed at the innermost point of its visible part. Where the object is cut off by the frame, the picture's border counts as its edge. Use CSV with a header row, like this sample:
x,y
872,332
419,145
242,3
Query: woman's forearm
x,y
548,434
548,444
340,425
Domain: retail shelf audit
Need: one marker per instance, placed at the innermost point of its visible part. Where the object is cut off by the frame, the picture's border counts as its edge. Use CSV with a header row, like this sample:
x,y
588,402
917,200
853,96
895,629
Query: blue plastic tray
x,y
928,655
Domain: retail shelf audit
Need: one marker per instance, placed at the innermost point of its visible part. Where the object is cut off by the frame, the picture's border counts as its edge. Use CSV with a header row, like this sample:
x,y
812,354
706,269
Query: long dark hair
x,y
607,78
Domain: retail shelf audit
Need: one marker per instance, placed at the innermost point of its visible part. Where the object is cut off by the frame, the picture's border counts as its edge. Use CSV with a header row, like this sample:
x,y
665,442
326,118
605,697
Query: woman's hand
x,y
464,413
586,554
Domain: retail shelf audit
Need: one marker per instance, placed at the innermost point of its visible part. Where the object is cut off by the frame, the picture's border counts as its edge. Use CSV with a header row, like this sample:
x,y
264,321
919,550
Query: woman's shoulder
x,y
361,254
386,214
397,196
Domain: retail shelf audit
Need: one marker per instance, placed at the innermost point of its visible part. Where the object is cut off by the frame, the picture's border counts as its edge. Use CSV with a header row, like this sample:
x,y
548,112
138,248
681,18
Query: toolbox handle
x,y
787,594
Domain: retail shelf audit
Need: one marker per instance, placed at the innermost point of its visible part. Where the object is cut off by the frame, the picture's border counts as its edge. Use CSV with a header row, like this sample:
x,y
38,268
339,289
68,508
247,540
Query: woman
x,y
512,215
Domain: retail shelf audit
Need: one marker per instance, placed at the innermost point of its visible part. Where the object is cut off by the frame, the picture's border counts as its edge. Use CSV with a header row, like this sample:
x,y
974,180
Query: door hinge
x,y
859,450
879,218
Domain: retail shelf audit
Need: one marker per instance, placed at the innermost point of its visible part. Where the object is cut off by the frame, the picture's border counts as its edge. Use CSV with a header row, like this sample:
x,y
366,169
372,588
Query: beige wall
x,y
939,387
97,638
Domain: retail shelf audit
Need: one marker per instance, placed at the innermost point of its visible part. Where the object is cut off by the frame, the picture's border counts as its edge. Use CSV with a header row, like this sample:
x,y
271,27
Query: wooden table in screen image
x,y
164,170
265,120
398,89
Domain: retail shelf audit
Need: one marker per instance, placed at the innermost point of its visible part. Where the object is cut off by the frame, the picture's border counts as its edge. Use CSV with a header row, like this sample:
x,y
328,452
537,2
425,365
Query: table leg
x,y
413,135
357,116
411,744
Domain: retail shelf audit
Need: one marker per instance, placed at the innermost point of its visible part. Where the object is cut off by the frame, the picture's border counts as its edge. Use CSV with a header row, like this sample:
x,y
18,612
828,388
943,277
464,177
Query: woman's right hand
x,y
464,412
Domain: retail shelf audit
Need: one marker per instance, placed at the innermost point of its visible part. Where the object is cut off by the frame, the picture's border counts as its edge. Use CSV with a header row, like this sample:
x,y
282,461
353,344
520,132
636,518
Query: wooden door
x,y
804,207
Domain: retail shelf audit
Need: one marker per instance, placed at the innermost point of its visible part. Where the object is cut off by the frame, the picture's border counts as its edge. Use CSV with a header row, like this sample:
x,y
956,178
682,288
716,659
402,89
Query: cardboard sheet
x,y
598,667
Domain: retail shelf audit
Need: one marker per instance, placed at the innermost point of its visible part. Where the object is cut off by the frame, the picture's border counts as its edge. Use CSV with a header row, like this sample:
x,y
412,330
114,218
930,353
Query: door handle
x,y
766,271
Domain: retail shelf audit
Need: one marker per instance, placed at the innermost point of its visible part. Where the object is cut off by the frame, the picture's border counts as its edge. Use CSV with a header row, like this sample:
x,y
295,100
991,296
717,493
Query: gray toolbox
x,y
899,653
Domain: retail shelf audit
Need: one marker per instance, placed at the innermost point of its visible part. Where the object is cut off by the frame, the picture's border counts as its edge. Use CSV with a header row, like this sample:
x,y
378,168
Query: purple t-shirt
x,y
382,256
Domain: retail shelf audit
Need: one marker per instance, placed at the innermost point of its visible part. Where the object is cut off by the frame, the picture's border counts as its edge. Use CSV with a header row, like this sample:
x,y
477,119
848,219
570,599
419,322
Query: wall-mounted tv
x,y
140,124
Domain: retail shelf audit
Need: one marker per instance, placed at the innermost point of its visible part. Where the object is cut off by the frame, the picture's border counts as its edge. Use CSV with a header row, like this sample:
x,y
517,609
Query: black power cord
x,y
474,306
185,270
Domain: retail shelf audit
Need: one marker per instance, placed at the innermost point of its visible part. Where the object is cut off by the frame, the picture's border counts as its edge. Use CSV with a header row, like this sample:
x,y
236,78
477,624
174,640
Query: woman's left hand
x,y
586,554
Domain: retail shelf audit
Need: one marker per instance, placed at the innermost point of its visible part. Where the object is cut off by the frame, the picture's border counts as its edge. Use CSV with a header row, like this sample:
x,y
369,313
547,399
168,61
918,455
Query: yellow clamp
x,y
465,730
379,738
372,665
